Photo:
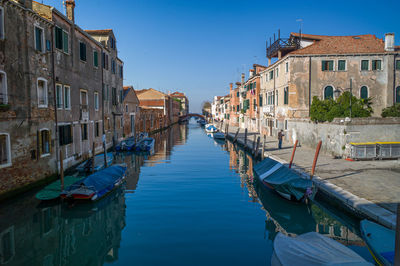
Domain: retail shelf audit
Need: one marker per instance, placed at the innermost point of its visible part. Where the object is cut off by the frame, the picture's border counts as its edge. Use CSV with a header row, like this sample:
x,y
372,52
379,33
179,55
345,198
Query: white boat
x,y
211,129
218,135
313,249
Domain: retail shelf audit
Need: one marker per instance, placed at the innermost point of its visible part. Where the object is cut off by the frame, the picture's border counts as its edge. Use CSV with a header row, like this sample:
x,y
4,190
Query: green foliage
x,y
392,111
327,110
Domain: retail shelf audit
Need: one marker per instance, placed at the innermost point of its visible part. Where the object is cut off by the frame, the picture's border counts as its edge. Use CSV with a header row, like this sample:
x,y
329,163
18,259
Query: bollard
x,y
61,170
315,159
245,137
227,129
236,135
93,149
254,144
263,148
294,150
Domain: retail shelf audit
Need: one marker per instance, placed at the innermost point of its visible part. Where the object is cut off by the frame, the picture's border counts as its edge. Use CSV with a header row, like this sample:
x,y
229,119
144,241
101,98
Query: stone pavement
x,y
371,188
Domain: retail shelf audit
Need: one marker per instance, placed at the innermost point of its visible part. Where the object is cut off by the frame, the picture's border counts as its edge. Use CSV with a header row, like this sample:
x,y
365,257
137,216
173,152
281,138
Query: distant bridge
x,y
191,115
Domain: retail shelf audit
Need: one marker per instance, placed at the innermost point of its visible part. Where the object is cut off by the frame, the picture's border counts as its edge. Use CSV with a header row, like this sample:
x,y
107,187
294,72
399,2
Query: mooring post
x,y
93,153
255,153
245,137
254,144
263,148
294,150
397,241
227,129
61,170
315,159
236,135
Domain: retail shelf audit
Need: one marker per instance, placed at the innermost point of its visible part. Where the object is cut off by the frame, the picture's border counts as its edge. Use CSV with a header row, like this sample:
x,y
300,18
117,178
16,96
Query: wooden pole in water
x,y
263,148
93,152
236,135
397,242
315,159
245,138
61,170
227,130
293,152
254,143
255,152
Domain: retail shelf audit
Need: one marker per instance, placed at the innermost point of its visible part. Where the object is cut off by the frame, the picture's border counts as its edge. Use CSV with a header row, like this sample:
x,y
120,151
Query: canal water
x,y
194,202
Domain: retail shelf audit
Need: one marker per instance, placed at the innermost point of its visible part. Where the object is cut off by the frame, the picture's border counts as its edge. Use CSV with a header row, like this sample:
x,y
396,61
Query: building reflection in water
x,y
32,233
288,217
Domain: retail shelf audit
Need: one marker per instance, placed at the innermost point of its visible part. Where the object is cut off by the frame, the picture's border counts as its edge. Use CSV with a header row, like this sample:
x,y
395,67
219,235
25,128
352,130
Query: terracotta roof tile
x,y
357,44
99,32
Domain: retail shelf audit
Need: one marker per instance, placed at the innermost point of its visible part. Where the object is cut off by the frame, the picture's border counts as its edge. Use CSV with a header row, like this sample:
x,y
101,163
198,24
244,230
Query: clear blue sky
x,y
200,46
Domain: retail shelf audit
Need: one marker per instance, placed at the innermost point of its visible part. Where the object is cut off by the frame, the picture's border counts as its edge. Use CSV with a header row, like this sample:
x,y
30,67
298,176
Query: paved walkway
x,y
370,187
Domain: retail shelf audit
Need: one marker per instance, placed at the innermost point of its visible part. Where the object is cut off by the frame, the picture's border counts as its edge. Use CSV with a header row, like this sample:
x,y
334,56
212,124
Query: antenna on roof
x,y
64,8
301,26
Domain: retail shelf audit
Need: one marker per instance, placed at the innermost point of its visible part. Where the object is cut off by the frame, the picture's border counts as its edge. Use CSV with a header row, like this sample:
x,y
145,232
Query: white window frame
x,y
5,88
2,31
45,154
381,65
80,96
96,101
345,65
61,95
43,39
369,64
8,149
69,97
66,32
286,67
45,93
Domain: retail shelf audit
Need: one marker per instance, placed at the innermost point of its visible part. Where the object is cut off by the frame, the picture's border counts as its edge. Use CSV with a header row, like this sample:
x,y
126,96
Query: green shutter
x,y
59,38
95,59
364,64
397,64
364,92
65,42
342,65
38,34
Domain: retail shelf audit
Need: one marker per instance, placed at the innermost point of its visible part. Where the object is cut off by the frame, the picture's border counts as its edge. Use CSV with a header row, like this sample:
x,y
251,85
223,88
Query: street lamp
x,y
337,93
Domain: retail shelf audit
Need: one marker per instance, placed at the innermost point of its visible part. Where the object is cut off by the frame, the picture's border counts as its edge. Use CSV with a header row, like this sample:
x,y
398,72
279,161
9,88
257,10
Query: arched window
x,y
328,92
398,94
364,92
44,138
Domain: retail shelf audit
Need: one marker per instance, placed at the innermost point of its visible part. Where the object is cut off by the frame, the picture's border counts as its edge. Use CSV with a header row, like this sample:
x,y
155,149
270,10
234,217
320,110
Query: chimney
x,y
70,6
389,42
230,86
25,3
242,78
251,73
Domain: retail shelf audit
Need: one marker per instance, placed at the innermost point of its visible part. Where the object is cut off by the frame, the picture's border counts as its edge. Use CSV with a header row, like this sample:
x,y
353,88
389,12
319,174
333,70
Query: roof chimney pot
x,y
389,42
70,7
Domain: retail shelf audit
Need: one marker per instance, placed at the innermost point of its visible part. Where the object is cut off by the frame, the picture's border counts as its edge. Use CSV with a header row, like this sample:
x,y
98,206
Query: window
x,y
327,65
1,23
96,101
44,138
59,37
65,42
261,100
376,64
328,92
237,108
121,71
286,125
237,94
287,67
397,64
84,131
95,58
3,88
364,92
59,100
112,66
398,95
271,74
83,98
97,129
65,134
112,43
82,51
277,72
255,104
276,123
103,60
286,95
114,96
341,65
120,96
42,92
126,108
39,39
364,64
5,150
67,97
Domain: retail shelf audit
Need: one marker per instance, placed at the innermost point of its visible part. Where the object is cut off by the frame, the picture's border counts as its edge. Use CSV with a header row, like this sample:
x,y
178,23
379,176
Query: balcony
x,y
268,109
282,46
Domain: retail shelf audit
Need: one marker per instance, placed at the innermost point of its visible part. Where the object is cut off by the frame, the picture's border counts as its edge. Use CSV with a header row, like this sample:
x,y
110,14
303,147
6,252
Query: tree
x,y
392,111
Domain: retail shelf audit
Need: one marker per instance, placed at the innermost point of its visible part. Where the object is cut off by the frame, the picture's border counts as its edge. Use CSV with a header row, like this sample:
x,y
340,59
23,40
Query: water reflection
x,y
34,233
288,217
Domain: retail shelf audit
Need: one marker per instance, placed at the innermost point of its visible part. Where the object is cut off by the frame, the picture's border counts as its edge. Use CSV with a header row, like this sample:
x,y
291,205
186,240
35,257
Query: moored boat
x,y
145,145
218,135
312,249
126,145
97,185
211,129
86,166
53,190
380,241
284,181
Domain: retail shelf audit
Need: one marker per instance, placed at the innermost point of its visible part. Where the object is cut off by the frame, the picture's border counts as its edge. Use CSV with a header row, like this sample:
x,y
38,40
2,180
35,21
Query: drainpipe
x,y
309,86
394,79
54,97
102,109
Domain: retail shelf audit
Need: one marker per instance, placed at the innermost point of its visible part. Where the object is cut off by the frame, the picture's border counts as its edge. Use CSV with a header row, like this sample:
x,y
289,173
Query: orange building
x,y
234,111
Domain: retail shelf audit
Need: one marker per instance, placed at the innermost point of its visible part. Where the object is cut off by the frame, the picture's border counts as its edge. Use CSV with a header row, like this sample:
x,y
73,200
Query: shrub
x,y
327,110
392,111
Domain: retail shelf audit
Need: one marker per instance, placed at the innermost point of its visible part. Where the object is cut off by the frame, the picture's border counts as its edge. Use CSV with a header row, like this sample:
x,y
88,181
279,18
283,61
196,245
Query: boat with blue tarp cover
x,y
380,241
97,185
86,166
284,181
145,145
211,129
126,145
